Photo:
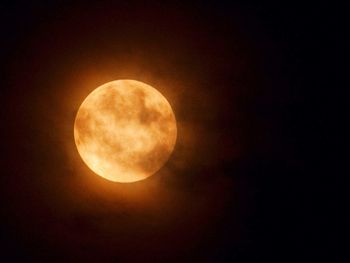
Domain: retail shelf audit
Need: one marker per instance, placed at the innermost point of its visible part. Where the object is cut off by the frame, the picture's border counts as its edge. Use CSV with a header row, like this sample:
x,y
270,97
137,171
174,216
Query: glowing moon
x,y
125,130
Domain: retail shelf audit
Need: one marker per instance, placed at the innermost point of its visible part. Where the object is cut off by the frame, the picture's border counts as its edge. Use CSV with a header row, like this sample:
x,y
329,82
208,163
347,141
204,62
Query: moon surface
x,y
125,131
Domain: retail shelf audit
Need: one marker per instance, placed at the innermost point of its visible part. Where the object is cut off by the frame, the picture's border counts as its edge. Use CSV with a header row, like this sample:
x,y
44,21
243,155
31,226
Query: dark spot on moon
x,y
108,102
155,159
139,93
147,116
110,147
82,125
165,124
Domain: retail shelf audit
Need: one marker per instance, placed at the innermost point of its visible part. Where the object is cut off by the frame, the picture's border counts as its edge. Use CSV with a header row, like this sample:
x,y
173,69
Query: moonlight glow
x,y
125,130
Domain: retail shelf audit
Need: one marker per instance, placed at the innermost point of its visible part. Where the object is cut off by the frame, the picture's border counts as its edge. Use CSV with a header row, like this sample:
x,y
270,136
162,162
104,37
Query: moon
x,y
125,131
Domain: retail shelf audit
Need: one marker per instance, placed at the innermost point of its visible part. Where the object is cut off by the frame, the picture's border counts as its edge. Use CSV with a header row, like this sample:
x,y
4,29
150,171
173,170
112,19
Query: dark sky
x,y
241,185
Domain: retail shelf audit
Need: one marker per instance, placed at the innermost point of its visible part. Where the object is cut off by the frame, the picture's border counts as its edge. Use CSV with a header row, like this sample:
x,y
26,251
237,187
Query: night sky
x,y
241,184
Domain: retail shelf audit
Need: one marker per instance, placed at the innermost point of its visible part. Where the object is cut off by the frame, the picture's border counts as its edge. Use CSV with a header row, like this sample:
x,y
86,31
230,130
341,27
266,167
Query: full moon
x,y
125,131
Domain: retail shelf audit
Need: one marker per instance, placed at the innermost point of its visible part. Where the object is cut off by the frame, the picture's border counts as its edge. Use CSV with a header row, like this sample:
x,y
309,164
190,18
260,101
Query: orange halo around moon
x,y
125,130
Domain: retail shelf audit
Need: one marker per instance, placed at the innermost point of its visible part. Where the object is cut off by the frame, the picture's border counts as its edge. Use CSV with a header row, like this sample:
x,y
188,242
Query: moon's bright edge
x,y
125,130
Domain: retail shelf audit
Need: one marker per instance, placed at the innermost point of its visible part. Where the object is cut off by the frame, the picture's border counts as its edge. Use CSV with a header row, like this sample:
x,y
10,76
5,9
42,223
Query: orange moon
x,y
125,131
